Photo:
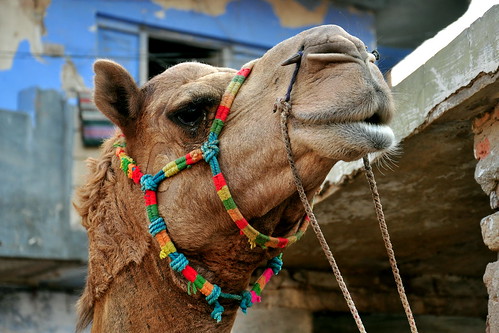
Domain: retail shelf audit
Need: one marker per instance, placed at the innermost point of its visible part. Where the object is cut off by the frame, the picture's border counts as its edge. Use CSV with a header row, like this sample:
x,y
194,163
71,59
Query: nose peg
x,y
294,59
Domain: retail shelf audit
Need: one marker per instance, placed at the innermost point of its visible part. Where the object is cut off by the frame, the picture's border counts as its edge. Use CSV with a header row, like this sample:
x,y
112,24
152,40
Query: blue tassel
x,y
217,312
212,299
246,301
275,264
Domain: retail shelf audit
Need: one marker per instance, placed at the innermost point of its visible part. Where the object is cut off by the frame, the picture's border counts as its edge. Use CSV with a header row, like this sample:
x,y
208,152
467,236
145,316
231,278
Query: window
x,y
146,51
166,52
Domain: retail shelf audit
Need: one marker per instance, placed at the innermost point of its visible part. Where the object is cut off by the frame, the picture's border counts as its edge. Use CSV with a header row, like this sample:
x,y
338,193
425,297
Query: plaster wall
x,y
52,44
36,185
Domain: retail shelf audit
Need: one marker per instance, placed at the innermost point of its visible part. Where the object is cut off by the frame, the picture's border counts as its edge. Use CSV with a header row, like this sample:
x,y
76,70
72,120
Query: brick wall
x,y
486,150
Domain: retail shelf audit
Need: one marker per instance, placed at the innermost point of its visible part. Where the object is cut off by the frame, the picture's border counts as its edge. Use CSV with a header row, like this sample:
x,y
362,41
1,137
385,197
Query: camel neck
x,y
146,297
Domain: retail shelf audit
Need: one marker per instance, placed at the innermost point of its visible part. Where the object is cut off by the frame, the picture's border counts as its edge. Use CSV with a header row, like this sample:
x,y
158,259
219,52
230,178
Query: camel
x,y
340,110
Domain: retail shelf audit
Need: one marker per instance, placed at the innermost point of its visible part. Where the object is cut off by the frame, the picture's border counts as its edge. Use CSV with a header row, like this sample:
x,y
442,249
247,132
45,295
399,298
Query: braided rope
x,y
388,245
285,107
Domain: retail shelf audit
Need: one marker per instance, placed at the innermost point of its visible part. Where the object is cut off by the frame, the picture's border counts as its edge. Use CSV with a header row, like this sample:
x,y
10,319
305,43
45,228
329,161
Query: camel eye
x,y
190,117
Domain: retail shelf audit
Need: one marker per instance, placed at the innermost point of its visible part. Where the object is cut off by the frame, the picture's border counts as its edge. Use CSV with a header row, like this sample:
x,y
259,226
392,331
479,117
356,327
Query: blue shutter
x,y
120,46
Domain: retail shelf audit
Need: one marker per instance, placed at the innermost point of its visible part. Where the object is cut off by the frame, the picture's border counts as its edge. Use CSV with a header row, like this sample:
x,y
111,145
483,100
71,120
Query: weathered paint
x,y
71,29
293,14
71,80
213,7
21,20
482,149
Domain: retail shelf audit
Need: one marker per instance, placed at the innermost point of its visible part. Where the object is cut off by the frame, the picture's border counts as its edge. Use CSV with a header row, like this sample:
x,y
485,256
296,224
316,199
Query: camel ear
x,y
116,94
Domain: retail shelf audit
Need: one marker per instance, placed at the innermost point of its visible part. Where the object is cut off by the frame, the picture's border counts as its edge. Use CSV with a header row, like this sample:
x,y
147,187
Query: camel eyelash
x,y
193,113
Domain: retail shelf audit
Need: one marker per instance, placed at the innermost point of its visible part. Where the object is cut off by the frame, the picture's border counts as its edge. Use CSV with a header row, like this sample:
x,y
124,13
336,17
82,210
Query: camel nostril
x,y
334,48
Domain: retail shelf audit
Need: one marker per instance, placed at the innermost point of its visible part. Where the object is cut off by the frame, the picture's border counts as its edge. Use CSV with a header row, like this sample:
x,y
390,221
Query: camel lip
x,y
373,118
374,137
347,141
333,57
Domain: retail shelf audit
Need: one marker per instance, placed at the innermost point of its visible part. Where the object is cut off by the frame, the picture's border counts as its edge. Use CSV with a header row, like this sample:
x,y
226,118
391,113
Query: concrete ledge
x,y
455,73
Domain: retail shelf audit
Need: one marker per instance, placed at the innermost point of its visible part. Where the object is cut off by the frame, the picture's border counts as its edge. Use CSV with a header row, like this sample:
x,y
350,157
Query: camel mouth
x,y
349,139
340,116
371,136
375,119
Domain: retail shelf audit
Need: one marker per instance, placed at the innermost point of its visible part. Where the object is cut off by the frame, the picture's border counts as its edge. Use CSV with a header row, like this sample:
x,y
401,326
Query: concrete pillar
x,y
486,150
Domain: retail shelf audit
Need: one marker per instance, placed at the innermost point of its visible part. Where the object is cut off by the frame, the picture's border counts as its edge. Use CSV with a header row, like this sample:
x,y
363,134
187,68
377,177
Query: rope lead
x,y
283,105
388,244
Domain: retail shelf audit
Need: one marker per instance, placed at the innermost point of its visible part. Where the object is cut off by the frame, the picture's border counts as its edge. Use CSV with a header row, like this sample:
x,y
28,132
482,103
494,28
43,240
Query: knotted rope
x,y
283,106
388,244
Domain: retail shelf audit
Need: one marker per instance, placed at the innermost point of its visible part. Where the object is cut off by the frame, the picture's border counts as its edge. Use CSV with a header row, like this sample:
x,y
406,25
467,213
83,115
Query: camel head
x,y
340,110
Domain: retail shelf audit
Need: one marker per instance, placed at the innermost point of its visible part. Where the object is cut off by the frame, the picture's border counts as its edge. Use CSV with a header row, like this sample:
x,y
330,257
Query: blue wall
x,y
73,24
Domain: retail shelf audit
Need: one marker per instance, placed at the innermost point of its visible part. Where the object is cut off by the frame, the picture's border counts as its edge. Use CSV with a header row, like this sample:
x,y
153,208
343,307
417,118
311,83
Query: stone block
x,y
491,280
494,198
486,148
490,231
493,317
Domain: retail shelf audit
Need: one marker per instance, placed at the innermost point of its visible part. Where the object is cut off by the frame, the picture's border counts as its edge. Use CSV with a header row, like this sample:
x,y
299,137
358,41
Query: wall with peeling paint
x,y
51,44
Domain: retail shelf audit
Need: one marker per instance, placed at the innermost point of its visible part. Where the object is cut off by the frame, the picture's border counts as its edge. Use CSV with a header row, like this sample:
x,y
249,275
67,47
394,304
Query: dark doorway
x,y
164,53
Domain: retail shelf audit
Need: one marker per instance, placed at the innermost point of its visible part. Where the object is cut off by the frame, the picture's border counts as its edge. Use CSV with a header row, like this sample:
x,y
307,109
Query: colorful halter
x,y
157,227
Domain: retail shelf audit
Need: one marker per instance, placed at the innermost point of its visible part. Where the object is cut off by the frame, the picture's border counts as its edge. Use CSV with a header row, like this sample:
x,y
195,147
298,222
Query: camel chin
x,y
347,141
